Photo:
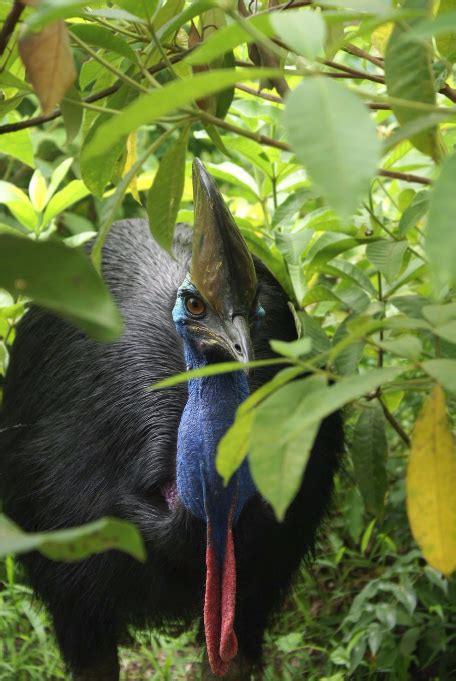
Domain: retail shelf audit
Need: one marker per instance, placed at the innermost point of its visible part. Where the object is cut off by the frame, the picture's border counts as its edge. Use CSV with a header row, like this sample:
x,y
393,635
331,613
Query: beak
x,y
222,268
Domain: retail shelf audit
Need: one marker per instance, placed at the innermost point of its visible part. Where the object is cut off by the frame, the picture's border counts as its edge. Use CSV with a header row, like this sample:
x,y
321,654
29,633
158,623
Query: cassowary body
x,y
81,438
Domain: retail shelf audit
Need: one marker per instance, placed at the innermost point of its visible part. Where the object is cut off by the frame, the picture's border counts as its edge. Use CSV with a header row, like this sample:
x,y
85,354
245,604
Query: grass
x,y
368,608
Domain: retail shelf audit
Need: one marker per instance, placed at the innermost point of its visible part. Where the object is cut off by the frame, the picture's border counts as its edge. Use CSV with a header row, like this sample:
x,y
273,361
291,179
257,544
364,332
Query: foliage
x,y
344,189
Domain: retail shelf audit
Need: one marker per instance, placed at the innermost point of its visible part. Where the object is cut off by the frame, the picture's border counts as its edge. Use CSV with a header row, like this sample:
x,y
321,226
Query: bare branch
x,y
10,24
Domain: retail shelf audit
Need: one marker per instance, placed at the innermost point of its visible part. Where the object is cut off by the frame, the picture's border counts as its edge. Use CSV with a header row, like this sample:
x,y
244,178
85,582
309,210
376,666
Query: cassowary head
x,y
216,310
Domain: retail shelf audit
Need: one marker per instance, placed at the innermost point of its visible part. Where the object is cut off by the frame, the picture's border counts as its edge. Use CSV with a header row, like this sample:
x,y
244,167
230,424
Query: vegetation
x,y
330,126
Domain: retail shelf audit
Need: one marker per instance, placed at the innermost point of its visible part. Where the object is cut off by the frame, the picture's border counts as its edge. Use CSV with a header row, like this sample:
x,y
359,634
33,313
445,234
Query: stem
x,y
107,65
395,423
10,24
380,298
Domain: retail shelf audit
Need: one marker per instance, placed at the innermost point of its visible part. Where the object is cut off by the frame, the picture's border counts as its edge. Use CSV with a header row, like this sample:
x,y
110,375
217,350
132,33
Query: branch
x,y
357,52
375,106
395,423
95,97
406,177
10,24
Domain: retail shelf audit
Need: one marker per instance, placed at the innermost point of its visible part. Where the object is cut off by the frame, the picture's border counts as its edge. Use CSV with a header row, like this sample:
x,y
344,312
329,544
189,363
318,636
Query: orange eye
x,y
195,306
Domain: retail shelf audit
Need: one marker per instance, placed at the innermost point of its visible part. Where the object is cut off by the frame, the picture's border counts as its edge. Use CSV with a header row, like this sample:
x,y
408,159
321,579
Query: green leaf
x,y
277,462
405,346
19,204
293,349
287,423
408,75
387,256
72,112
73,291
443,370
18,145
414,212
228,37
154,105
443,28
310,328
73,544
304,32
73,192
50,10
38,191
271,257
369,453
98,171
164,197
439,314
289,207
104,38
347,360
214,370
441,234
333,136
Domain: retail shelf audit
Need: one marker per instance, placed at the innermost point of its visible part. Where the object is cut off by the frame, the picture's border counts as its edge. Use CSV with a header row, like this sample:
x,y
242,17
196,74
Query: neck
x,y
209,412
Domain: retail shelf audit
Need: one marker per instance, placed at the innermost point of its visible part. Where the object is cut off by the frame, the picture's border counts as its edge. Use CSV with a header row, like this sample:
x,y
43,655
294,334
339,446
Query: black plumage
x,y
80,438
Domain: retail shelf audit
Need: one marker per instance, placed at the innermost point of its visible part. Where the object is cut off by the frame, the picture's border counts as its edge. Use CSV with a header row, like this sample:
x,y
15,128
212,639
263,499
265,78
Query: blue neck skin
x,y
208,413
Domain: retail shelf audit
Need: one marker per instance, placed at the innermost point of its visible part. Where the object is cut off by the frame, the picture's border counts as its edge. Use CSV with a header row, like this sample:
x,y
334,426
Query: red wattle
x,y
220,605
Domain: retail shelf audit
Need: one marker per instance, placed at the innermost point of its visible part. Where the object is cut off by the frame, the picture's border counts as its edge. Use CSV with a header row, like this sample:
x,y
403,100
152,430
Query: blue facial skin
x,y
208,413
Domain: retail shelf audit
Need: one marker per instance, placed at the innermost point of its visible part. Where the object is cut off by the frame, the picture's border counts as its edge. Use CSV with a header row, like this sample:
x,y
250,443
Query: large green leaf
x,y
441,232
334,137
165,195
387,256
98,171
304,31
73,544
152,106
408,75
19,204
286,424
73,192
369,452
443,370
61,279
104,38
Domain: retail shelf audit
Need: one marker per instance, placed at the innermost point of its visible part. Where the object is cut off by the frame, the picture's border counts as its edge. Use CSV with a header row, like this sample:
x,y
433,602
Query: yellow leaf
x,y
381,36
49,63
129,162
431,482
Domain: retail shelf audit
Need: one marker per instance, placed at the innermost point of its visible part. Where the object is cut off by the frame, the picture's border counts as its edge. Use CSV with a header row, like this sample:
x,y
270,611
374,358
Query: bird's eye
x,y
195,306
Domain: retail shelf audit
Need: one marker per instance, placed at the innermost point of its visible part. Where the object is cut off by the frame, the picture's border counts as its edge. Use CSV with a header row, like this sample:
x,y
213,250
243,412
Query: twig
x,y
449,92
259,93
375,106
395,423
362,54
406,177
10,24
354,73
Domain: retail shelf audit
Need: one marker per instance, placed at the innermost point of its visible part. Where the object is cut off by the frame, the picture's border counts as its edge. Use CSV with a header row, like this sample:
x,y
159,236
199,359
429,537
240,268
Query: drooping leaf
x,y
431,481
333,136
165,195
304,32
129,162
408,75
73,544
369,452
61,279
441,235
49,63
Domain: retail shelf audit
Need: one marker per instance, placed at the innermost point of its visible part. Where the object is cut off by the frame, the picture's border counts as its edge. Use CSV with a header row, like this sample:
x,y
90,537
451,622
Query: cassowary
x,y
81,437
